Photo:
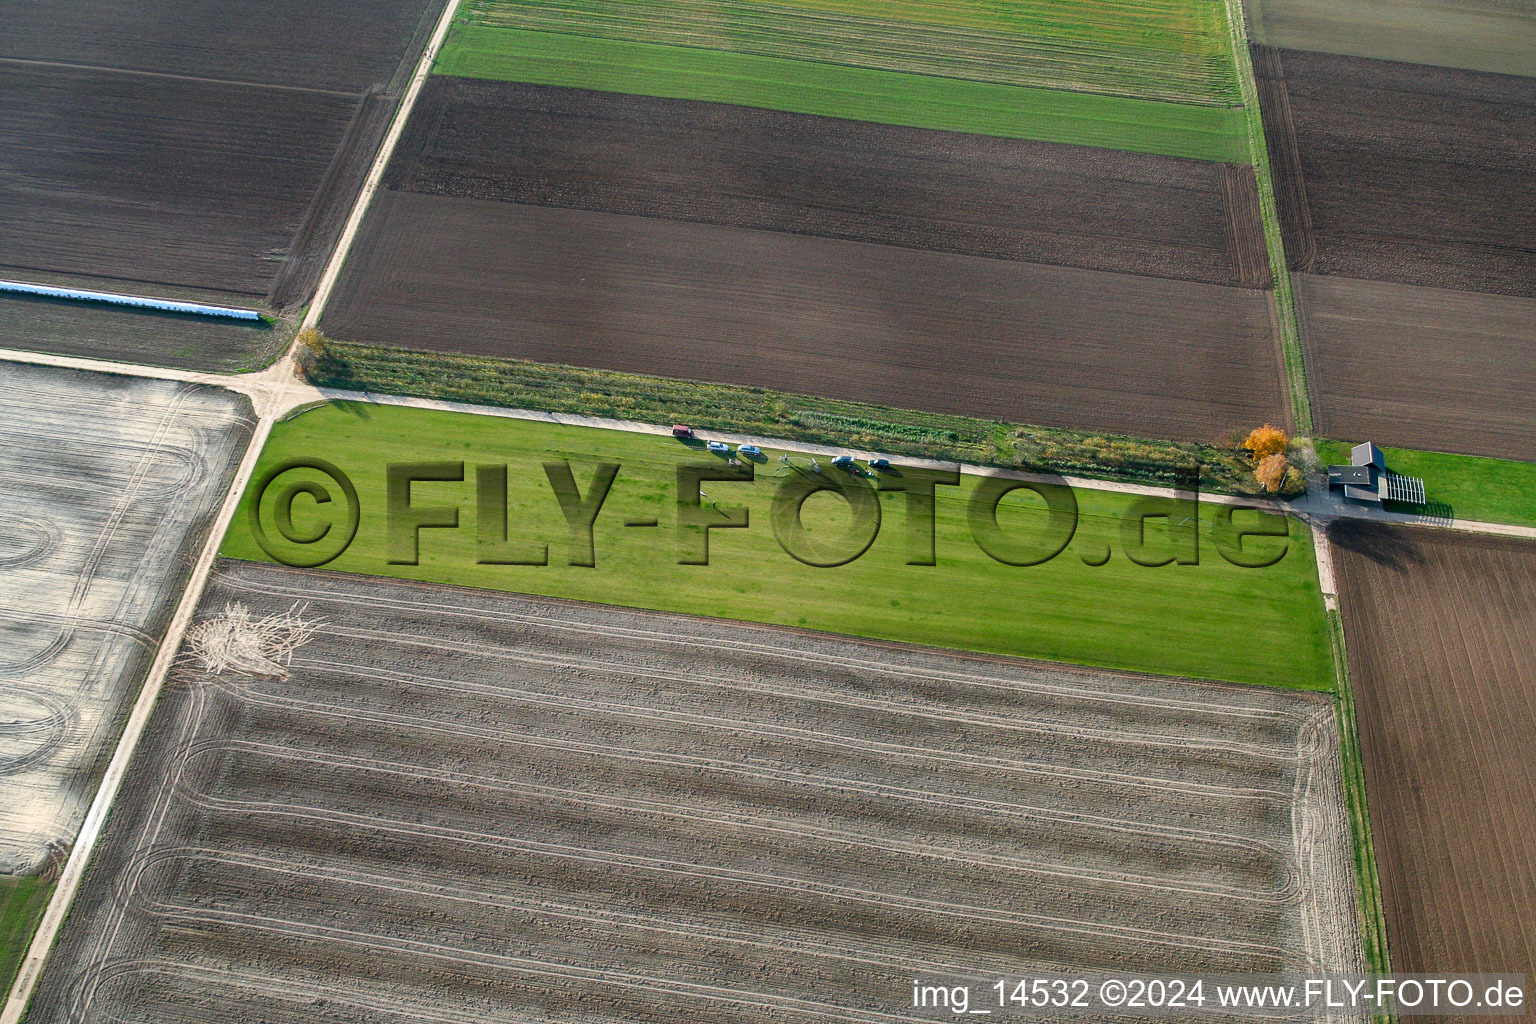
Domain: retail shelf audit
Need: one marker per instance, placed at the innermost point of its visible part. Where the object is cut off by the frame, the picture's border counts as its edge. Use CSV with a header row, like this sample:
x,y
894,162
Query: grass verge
x,y
1210,620
519,384
1269,212
1467,487
835,90
1371,915
22,901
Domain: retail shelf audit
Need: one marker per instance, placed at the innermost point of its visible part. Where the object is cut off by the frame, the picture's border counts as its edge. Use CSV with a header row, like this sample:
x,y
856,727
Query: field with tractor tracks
x,y
451,805
713,163
1441,631
191,149
107,488
940,332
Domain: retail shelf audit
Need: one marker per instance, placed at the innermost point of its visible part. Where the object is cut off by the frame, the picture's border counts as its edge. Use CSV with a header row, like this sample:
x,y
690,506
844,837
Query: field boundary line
x,y
376,172
271,394
1269,213
74,868
566,419
1368,902
204,79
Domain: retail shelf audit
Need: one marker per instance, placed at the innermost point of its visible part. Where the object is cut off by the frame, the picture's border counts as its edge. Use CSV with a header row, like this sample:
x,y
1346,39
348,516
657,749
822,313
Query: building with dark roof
x,y
1368,480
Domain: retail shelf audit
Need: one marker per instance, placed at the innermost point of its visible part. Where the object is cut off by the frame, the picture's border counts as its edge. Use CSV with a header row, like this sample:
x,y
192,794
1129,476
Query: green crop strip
x,y
1211,620
1172,50
861,94
22,901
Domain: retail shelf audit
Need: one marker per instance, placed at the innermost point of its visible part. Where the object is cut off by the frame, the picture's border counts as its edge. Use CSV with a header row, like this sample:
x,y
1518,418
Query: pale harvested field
x,y
469,807
107,487
1442,646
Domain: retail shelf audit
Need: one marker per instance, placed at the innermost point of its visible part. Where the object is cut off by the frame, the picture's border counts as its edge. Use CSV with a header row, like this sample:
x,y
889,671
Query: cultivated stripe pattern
x,y
462,806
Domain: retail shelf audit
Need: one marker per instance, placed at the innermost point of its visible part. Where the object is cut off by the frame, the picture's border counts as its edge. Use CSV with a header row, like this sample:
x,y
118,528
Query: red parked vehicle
x,y
681,430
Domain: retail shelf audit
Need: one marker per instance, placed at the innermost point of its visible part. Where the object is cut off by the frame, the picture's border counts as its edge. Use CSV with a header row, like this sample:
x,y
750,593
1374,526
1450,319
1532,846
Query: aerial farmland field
x,y
1441,631
1405,201
136,160
1479,35
1158,77
1419,367
107,485
718,164
940,332
743,193
1402,172
448,805
1260,625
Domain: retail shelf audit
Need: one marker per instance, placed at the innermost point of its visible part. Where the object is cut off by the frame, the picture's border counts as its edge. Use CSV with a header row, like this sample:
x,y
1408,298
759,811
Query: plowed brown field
x,y
715,163
1420,367
455,806
1441,630
922,330
189,149
1402,172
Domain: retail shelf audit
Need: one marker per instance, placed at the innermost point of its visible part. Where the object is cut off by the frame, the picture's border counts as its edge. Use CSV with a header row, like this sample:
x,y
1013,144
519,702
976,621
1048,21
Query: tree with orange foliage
x,y
1271,472
1266,441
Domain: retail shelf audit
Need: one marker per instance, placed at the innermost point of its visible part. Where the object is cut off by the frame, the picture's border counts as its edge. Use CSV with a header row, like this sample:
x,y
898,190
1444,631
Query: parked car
x,y
720,447
681,430
751,451
844,462
879,465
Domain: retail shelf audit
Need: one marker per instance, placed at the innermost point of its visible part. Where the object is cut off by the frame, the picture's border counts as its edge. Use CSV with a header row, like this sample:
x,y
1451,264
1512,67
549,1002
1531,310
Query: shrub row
x,y
566,389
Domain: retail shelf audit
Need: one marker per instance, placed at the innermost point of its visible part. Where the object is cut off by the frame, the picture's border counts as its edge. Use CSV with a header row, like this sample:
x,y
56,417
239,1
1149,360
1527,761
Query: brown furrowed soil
x,y
159,182
716,163
1420,367
1442,648
458,806
346,45
1403,172
933,331
96,330
188,150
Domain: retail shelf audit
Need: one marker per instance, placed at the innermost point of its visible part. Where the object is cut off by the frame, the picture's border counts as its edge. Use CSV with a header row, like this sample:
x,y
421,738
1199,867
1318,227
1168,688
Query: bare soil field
x,y
1424,368
717,163
456,806
163,183
107,487
933,331
193,147
1442,648
343,45
1402,172
1479,35
128,334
